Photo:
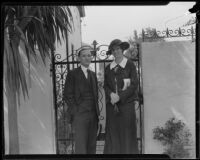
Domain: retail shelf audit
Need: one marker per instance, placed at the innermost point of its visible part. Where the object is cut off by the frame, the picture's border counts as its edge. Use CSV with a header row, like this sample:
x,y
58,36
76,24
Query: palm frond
x,y
37,27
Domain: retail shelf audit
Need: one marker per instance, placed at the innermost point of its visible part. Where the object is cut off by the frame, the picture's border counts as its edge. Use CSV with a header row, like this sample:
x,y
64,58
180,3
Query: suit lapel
x,y
94,85
81,74
95,90
80,77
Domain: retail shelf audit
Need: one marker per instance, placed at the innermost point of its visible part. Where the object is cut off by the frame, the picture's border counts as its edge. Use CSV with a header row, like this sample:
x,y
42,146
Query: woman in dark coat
x,y
120,86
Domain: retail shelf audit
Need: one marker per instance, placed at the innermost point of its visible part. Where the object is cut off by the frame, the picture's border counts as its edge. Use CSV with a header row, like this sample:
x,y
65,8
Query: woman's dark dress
x,y
121,131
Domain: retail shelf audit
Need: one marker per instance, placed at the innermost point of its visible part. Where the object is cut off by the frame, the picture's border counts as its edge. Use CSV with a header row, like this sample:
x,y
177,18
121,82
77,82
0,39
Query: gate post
x,y
54,96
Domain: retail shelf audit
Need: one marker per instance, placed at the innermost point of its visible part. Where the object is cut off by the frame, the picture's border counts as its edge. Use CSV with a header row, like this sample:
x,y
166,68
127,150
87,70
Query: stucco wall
x,y
168,71
36,115
73,38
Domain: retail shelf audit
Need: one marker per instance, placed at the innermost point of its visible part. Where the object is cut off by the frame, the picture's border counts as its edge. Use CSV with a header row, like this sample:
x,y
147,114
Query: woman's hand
x,y
114,98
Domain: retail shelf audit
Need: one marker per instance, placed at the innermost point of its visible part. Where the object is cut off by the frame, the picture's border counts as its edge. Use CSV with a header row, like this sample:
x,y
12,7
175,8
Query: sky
x,y
105,23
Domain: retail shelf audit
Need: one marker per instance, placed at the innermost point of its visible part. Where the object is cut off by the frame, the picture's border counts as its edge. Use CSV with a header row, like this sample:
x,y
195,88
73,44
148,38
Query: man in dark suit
x,y
81,97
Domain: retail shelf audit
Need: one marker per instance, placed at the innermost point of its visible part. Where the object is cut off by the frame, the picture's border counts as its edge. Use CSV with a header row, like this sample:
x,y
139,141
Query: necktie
x,y
88,74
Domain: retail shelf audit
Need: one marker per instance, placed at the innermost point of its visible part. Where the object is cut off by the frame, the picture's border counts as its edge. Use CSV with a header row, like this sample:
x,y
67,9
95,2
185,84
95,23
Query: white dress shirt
x,y
84,69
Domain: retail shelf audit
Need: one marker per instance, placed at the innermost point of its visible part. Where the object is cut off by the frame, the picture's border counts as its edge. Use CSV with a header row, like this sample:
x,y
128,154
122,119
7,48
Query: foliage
x,y
29,31
151,35
135,38
191,21
175,136
33,29
148,34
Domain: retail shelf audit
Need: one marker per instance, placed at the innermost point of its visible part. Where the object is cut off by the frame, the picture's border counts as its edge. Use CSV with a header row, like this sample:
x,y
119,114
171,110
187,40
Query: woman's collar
x,y
122,63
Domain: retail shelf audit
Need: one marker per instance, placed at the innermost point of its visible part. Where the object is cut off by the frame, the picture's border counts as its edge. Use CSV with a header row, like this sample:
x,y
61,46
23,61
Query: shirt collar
x,y
84,68
122,63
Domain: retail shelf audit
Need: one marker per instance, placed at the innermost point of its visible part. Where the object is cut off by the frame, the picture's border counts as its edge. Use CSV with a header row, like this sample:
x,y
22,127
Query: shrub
x,y
174,136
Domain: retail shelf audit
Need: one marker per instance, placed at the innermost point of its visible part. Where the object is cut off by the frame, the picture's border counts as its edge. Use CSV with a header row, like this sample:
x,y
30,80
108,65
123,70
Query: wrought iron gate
x,y
60,68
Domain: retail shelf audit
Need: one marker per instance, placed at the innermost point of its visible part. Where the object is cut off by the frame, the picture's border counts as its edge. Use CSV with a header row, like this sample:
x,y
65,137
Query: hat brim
x,y
123,45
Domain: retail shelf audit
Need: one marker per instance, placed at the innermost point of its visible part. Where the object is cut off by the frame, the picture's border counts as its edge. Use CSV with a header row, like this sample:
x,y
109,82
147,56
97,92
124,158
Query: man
x,y
81,96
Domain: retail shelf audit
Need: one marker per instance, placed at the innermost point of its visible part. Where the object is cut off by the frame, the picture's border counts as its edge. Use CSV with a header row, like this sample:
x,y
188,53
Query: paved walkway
x,y
100,147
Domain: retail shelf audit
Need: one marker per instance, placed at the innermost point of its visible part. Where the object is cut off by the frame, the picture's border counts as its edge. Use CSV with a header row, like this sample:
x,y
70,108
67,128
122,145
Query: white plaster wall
x,y
168,71
36,119
6,130
36,115
74,37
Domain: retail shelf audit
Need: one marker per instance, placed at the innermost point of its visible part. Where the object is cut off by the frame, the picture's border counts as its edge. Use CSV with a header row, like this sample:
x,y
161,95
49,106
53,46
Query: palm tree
x,y
34,28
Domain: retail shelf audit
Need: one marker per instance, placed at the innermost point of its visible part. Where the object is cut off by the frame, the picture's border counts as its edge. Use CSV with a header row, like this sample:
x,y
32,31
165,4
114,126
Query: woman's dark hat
x,y
117,42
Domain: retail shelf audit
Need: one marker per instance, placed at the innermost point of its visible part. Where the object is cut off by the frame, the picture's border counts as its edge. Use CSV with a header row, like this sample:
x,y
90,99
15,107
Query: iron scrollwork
x,y
169,33
61,68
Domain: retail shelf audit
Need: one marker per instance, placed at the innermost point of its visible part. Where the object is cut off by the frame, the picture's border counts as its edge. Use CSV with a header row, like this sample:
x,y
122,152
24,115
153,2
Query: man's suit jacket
x,y
73,89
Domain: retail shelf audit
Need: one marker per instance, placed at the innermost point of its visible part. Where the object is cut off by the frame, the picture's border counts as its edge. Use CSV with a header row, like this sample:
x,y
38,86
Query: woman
x,y
120,86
